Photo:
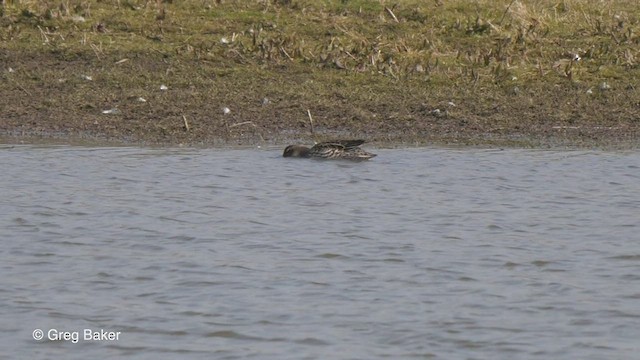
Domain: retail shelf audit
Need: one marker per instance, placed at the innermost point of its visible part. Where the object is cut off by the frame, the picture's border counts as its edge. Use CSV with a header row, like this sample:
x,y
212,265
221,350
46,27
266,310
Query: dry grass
x,y
377,68
410,38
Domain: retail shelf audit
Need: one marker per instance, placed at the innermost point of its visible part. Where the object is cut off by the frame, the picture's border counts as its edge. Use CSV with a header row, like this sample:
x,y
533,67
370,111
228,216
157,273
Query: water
x,y
241,254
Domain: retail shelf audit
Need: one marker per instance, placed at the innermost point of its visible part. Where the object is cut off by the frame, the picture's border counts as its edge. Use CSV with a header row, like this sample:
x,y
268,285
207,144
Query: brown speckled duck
x,y
336,149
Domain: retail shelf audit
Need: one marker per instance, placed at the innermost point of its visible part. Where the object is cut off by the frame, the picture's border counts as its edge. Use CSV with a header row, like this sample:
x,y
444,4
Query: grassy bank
x,y
539,72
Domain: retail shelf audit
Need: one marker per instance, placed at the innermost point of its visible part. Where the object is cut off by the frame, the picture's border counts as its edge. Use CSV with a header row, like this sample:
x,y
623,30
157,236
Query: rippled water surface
x,y
242,254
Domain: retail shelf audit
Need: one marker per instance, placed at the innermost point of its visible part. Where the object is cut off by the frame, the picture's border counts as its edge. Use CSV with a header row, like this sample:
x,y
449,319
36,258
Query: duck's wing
x,y
327,150
343,144
340,149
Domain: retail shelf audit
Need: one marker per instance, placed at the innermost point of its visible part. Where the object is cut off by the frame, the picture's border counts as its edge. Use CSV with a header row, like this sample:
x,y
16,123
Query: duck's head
x,y
295,151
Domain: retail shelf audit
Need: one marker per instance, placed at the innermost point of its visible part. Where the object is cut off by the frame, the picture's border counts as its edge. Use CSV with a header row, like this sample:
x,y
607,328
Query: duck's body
x,y
337,149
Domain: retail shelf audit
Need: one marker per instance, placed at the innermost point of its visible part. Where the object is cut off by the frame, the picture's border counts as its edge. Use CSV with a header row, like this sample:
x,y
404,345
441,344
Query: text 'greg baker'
x,y
101,335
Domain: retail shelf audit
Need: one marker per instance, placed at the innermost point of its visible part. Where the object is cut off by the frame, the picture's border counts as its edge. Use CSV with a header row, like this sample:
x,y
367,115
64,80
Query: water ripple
x,y
235,254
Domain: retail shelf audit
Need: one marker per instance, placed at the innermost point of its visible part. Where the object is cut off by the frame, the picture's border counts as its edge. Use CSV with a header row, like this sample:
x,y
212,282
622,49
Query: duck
x,y
336,149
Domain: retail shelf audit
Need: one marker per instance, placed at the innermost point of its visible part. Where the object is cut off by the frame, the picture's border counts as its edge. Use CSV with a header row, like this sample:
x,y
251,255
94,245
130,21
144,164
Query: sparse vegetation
x,y
523,72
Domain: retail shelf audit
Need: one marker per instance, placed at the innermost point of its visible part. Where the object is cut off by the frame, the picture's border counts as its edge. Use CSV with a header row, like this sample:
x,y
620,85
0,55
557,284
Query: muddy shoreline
x,y
56,132
93,101
559,142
